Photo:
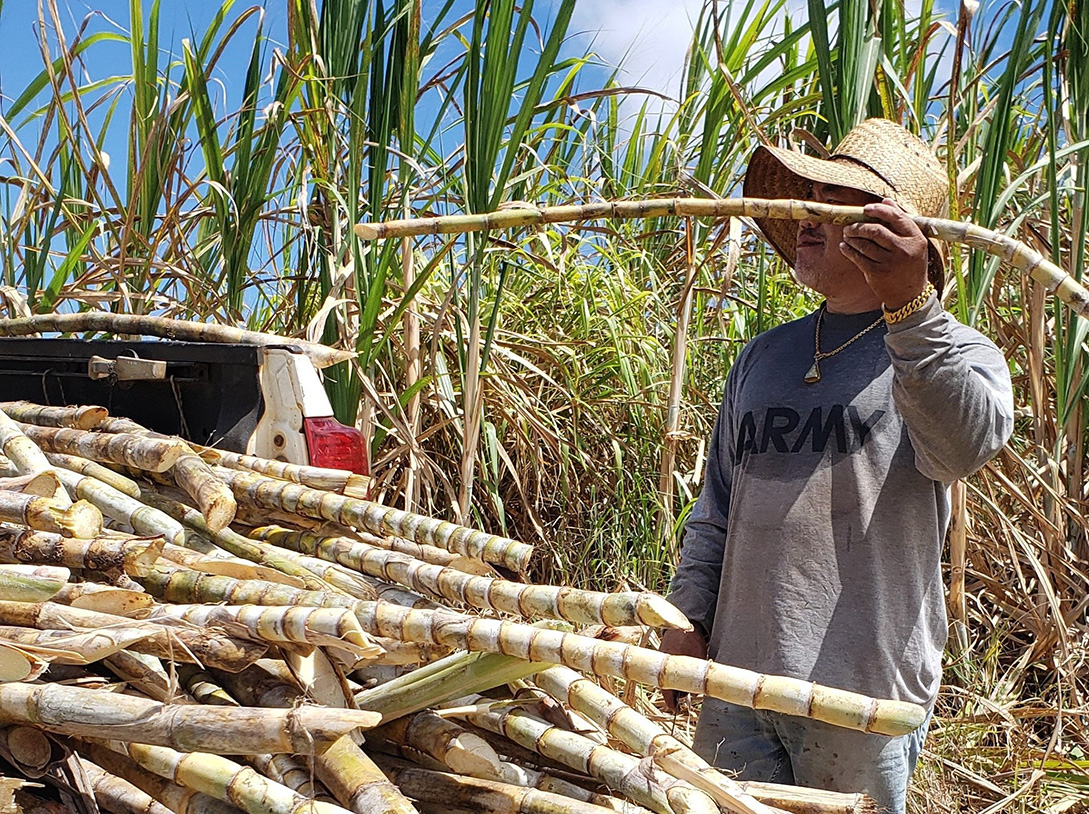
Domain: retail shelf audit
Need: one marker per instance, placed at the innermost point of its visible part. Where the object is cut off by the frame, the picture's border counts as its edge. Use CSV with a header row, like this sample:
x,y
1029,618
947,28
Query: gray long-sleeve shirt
x,y
814,548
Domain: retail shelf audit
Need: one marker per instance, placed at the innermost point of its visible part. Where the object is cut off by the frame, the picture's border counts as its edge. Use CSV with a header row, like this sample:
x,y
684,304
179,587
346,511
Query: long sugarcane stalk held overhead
x,y
1029,261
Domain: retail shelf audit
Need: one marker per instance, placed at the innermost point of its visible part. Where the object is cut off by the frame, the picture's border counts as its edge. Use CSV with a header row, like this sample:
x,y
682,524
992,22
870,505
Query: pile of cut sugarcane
x,y
191,630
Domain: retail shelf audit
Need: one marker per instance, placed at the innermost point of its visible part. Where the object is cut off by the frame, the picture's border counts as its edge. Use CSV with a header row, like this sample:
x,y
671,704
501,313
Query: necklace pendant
x,y
813,375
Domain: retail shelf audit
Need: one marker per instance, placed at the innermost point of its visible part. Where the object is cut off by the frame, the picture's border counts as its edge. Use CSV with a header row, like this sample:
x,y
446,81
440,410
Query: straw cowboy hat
x,y
879,157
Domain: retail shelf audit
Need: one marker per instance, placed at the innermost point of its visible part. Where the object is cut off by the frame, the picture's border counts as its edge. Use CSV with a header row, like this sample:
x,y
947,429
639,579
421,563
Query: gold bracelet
x,y
900,314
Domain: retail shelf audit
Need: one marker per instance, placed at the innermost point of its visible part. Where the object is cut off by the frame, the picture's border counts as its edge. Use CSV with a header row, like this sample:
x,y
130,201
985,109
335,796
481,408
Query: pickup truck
x,y
258,399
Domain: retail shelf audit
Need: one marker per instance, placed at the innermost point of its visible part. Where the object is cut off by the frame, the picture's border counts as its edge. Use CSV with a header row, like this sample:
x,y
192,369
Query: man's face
x,y
820,265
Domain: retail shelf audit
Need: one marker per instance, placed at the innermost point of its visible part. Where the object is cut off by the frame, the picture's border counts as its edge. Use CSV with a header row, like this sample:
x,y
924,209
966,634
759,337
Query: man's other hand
x,y
681,643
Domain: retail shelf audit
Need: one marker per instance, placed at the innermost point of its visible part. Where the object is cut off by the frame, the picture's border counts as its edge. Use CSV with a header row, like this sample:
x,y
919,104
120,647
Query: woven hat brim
x,y
777,173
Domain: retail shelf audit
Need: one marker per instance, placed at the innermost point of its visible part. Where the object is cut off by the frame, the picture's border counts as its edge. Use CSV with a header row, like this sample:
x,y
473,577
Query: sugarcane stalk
x,y
190,472
75,647
429,553
262,491
116,505
93,469
398,595
225,780
350,774
291,771
288,770
1022,257
104,598
395,653
220,563
79,519
26,748
132,556
251,517
237,544
123,424
521,776
337,577
773,796
644,737
454,676
550,601
453,746
343,553
175,797
31,583
203,686
800,800
341,481
166,328
482,795
183,586
340,547
117,795
344,769
147,674
618,771
75,417
244,730
294,773
26,457
650,667
170,642
215,500
138,452
325,627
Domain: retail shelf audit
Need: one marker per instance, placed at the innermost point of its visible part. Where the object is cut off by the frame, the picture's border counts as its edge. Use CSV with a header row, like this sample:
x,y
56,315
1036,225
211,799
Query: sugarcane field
x,y
544,407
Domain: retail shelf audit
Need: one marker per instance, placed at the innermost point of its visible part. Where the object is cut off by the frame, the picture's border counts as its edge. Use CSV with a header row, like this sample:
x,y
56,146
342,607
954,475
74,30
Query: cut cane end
x,y
44,484
81,520
90,417
17,665
359,487
366,231
219,514
657,611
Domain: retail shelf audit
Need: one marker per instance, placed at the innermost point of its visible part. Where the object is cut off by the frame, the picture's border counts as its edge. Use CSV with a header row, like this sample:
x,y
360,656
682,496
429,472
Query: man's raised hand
x,y
892,253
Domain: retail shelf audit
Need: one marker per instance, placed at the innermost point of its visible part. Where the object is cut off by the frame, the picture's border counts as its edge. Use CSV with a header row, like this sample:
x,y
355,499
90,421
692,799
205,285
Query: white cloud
x,y
646,39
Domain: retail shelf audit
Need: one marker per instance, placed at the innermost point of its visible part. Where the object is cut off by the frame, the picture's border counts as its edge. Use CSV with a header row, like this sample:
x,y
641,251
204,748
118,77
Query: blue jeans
x,y
775,748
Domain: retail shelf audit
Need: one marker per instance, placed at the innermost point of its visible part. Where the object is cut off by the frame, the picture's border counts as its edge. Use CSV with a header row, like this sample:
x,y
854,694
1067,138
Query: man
x,y
814,548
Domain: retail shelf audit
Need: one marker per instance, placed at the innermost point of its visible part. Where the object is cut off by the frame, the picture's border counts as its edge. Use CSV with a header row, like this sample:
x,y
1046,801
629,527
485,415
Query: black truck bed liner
x,y
211,394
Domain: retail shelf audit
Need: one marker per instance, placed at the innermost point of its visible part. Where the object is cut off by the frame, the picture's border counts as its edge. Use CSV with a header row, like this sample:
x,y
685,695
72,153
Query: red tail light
x,y
334,446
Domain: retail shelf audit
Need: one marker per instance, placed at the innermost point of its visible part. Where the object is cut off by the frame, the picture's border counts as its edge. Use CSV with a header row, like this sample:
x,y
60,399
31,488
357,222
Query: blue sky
x,y
646,38
620,31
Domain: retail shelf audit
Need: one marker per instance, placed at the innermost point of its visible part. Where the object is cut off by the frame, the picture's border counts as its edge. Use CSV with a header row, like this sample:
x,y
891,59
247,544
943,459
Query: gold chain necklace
x,y
813,375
